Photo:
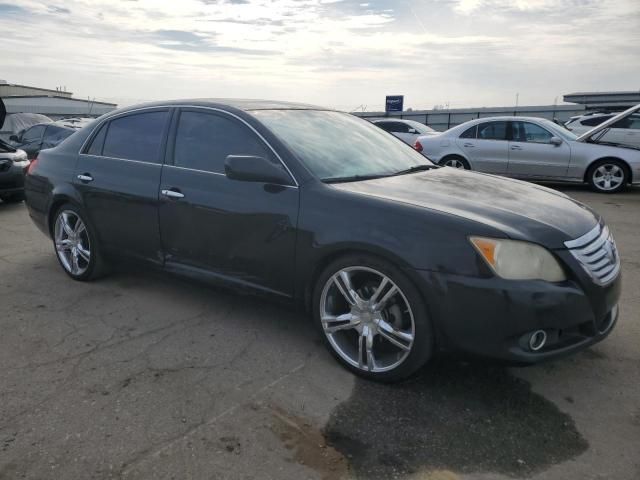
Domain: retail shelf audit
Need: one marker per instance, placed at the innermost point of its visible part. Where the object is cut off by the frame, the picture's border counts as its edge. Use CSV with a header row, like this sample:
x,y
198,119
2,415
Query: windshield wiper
x,y
416,168
355,178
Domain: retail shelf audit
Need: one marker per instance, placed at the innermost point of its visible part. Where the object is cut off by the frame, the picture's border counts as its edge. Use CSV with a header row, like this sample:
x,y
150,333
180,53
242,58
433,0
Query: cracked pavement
x,y
146,375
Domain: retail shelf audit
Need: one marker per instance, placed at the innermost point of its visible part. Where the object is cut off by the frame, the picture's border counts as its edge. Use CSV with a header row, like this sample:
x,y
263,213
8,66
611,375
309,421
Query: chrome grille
x,y
597,253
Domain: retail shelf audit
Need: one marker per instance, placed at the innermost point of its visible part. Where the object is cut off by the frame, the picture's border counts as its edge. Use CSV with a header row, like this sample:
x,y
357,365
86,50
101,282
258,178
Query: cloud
x,y
337,52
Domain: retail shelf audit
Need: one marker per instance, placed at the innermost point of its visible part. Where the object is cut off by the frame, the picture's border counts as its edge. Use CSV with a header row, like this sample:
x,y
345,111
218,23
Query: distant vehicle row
x,y
538,149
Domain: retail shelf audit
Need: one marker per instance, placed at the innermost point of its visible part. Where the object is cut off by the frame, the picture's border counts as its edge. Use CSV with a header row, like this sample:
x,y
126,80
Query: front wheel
x,y
607,176
372,318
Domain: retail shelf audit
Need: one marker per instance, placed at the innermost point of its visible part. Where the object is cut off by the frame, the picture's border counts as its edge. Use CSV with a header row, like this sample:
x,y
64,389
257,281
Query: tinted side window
x,y
136,137
492,131
399,127
592,122
470,132
386,126
33,133
54,135
204,140
96,144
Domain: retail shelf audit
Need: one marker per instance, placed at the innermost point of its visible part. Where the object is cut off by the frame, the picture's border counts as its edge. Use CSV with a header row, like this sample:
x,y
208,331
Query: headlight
x,y
516,260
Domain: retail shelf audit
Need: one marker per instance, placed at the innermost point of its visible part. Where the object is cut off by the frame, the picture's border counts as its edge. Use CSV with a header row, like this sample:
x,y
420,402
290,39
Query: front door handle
x,y
85,177
173,193
516,147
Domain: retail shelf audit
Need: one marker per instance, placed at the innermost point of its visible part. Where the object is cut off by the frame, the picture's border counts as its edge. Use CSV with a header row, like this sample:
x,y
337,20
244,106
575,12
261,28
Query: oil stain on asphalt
x,y
454,416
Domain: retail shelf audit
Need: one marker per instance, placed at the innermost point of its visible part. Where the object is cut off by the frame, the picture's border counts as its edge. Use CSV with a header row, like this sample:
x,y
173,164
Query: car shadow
x,y
455,415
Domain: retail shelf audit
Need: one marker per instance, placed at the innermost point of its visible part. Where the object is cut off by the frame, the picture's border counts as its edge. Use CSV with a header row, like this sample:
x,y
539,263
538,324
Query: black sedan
x,y
394,257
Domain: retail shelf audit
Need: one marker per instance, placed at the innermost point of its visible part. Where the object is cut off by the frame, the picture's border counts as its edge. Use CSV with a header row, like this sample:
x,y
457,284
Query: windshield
x,y
558,130
420,127
335,145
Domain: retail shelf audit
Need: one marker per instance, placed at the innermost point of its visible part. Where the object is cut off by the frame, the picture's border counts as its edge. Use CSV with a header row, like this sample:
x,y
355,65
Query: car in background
x,y
395,257
13,165
537,149
41,136
625,131
406,130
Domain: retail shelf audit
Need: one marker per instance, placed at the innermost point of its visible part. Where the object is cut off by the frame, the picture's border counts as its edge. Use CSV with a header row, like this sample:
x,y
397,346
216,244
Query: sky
x,y
337,53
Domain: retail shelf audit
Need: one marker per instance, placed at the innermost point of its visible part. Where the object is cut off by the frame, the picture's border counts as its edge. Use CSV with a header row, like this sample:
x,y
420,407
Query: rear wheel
x,y
372,318
455,162
76,245
607,176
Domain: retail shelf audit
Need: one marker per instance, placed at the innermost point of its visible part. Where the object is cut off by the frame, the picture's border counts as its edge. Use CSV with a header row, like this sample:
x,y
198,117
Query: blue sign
x,y
395,103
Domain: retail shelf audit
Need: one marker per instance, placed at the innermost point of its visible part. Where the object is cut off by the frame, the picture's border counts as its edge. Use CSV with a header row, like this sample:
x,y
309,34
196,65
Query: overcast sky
x,y
339,53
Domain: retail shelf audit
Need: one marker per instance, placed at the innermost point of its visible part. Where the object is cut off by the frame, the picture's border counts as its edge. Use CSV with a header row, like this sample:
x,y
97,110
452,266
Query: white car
x,y
406,130
625,131
538,149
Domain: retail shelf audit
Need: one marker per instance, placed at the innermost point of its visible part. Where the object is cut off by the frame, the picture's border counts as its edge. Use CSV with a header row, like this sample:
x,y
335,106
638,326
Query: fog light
x,y
537,340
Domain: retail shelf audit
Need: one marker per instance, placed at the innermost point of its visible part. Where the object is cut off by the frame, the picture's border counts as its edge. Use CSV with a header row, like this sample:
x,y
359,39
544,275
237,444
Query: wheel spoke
x,y
75,267
396,337
79,228
371,362
347,290
84,253
383,283
387,296
332,324
65,224
64,244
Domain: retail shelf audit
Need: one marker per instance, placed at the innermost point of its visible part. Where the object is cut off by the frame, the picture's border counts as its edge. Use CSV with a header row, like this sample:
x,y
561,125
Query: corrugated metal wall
x,y
443,119
56,107
7,90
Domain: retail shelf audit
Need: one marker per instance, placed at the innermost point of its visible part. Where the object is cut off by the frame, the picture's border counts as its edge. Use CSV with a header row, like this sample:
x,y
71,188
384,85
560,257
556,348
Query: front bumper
x,y
493,317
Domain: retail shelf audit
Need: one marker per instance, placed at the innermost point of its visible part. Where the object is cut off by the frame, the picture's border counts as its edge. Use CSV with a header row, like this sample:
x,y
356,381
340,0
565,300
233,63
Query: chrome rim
x,y
367,319
608,176
72,242
454,163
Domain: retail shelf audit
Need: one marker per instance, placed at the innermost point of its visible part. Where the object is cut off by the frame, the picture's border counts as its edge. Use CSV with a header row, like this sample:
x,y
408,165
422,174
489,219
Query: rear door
x,y
118,174
531,153
486,147
242,231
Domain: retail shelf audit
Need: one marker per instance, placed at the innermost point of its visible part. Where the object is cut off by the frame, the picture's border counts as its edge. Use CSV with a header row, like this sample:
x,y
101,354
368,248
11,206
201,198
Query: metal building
x,y
55,104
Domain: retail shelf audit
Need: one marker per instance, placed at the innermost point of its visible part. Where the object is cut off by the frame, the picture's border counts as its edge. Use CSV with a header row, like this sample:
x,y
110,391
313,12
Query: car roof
x,y
235,103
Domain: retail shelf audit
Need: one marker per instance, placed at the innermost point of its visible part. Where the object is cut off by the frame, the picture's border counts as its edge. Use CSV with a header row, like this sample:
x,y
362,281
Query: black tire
x,y
454,160
423,339
95,267
13,197
618,171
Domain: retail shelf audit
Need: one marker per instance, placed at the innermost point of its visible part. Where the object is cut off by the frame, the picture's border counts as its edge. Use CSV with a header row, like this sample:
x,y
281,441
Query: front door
x,y
118,176
531,153
239,231
486,147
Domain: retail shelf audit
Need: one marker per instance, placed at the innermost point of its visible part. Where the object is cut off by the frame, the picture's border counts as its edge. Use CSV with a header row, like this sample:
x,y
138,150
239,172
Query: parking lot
x,y
145,375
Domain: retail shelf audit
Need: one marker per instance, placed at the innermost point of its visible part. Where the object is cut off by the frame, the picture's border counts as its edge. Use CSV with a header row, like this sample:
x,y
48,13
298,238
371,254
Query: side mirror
x,y
14,138
249,168
555,141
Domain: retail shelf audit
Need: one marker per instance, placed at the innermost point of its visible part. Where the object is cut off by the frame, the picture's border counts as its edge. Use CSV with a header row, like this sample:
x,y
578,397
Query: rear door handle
x,y
85,177
470,145
516,147
172,193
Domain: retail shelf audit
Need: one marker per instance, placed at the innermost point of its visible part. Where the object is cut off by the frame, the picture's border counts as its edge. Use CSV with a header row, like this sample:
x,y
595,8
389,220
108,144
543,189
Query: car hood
x,y
590,133
520,210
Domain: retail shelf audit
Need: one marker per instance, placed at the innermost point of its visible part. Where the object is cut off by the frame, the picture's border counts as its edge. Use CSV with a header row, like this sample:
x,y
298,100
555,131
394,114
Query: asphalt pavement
x,y
145,375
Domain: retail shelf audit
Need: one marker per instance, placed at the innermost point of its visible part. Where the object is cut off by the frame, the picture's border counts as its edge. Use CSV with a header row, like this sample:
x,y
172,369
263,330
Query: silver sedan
x,y
537,149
